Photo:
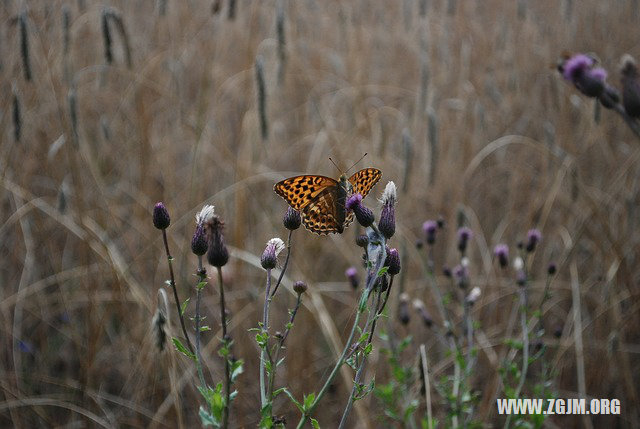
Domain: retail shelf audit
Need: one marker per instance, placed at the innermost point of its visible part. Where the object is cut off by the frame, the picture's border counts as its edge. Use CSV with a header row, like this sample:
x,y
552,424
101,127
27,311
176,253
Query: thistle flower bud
x,y
362,241
292,219
199,245
461,275
501,251
364,215
387,224
418,305
392,261
269,258
300,287
533,238
630,79
403,309
464,235
610,97
429,229
352,276
552,268
217,254
161,219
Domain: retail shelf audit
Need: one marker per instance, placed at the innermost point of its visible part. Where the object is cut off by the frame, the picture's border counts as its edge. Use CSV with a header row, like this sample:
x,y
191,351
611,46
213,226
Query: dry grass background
x,y
462,110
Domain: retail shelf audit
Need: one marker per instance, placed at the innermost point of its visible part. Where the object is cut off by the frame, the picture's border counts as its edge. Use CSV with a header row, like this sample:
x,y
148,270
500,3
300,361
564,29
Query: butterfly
x,y
321,200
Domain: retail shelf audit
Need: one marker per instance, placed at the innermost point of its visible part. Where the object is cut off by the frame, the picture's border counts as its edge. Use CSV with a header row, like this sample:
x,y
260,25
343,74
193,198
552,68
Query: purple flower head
x,y
269,258
429,229
353,201
576,65
362,241
364,215
161,219
199,245
580,71
393,261
464,235
352,275
533,238
387,224
501,251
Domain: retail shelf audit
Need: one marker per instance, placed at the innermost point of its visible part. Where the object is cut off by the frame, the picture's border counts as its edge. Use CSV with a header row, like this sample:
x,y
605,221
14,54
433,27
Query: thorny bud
x,y
501,251
161,219
533,238
552,268
387,224
300,287
473,295
429,229
630,79
362,241
392,261
217,255
292,219
269,258
464,235
364,215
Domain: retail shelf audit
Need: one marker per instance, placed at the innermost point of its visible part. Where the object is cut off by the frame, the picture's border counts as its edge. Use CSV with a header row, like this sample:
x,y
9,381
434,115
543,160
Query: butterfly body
x,y
321,200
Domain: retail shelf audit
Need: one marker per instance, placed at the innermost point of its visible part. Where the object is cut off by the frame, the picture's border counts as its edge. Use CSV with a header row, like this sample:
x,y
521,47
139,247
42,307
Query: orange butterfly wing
x,y
365,179
299,191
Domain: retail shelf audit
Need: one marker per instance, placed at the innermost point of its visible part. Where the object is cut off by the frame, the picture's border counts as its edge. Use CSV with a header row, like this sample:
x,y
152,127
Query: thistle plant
x,y
207,240
590,79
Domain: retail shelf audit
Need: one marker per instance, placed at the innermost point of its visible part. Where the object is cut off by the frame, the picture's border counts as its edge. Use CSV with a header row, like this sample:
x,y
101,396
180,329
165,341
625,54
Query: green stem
x,y
172,281
226,344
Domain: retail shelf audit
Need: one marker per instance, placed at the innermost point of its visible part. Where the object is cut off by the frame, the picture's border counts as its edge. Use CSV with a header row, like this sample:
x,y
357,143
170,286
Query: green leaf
x,y
368,349
383,271
183,307
308,401
315,424
207,419
236,369
182,349
201,285
205,328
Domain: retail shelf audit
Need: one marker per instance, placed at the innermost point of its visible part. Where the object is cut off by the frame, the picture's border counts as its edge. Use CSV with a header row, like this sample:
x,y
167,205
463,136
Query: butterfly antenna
x,y
336,165
357,162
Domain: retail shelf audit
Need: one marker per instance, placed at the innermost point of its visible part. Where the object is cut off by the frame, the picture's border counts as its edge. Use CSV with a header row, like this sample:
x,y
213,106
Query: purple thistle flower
x,y
579,70
352,275
533,238
364,215
392,261
464,235
501,251
387,224
429,229
269,258
161,219
199,245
